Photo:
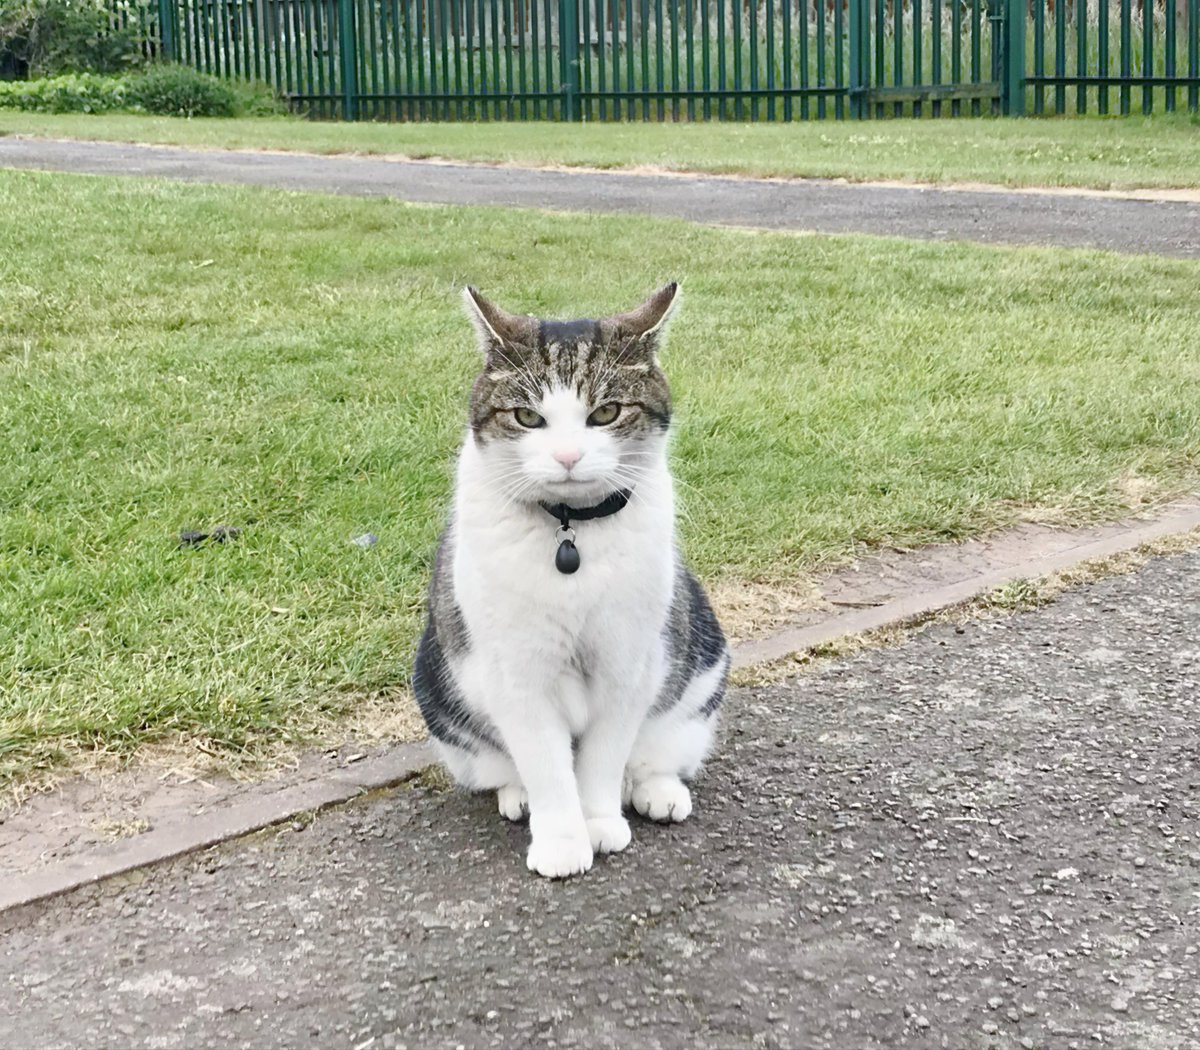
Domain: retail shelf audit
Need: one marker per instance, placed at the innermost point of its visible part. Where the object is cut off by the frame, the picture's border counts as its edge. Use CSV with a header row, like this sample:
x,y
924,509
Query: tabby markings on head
x,y
599,366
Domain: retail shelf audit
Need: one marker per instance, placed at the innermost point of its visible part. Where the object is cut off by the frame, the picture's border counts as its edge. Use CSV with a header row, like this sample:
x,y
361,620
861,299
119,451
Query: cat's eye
x,y
527,417
604,415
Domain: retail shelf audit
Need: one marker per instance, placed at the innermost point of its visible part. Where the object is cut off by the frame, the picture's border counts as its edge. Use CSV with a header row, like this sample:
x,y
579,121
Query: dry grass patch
x,y
749,609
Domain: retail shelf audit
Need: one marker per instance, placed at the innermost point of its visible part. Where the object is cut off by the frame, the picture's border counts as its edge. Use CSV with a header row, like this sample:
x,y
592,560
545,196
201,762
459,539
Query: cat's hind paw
x,y
560,856
664,798
609,834
513,802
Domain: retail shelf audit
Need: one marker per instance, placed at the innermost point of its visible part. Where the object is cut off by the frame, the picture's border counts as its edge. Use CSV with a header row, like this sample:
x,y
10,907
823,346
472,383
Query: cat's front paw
x,y
663,798
513,802
609,834
558,857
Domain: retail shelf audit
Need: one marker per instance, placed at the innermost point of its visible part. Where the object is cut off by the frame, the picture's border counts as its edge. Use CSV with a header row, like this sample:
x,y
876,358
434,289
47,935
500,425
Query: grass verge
x,y
1112,153
177,357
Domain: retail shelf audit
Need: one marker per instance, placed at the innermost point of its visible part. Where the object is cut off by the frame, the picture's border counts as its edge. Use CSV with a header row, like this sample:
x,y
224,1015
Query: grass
x,y
1106,153
176,357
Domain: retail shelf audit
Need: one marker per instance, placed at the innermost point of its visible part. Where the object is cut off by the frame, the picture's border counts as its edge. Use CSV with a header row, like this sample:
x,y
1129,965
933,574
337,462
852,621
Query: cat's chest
x,y
509,575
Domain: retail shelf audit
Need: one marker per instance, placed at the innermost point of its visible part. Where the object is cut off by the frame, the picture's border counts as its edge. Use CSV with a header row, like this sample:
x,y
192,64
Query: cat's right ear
x,y
497,329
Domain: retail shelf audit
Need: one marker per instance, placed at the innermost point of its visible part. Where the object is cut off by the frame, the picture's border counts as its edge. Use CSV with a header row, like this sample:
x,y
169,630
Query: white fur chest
x,y
511,595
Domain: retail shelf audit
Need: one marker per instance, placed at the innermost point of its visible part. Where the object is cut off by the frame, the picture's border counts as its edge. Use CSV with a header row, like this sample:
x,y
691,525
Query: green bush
x,y
164,90
72,93
44,38
256,99
180,91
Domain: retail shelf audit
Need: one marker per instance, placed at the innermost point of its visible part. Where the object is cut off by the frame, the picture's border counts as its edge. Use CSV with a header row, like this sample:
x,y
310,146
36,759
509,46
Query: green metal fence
x,y
1101,57
696,59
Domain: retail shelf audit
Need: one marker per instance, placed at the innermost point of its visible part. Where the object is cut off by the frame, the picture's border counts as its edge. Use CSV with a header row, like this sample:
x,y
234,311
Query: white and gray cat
x,y
571,662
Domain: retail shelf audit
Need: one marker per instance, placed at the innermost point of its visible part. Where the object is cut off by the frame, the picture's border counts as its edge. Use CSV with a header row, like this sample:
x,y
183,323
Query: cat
x,y
571,663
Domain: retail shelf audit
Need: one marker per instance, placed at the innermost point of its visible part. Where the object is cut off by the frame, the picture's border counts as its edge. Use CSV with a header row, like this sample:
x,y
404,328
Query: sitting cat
x,y
570,679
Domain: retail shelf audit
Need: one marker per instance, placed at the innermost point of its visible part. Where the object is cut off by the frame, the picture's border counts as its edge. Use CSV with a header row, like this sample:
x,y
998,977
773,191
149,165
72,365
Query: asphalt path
x,y
1166,228
988,836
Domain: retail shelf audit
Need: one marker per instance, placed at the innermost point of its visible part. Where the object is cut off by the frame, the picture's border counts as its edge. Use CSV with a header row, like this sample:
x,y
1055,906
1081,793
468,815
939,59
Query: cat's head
x,y
570,411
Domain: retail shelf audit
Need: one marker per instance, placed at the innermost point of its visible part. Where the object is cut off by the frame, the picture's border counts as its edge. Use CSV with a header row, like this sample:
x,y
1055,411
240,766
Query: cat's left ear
x,y
646,325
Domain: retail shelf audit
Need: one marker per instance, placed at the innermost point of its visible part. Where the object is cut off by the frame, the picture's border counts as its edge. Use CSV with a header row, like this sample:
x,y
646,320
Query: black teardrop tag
x,y
566,558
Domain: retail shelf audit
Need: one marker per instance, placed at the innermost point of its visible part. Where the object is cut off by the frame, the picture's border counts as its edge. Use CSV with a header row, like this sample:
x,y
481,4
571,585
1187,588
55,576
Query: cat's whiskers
x,y
629,476
517,473
678,481
519,495
607,372
615,362
516,481
512,485
609,366
631,479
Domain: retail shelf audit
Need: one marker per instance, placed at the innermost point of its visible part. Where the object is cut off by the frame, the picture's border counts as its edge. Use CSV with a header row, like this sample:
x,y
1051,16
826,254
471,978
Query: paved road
x,y
827,207
989,836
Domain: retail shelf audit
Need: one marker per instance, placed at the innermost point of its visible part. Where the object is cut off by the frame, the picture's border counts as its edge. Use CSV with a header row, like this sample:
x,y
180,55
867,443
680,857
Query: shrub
x,y
166,90
256,99
72,93
42,38
183,92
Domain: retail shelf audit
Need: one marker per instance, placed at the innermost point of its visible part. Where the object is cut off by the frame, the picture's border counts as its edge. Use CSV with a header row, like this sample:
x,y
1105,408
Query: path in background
x,y
986,836
1167,228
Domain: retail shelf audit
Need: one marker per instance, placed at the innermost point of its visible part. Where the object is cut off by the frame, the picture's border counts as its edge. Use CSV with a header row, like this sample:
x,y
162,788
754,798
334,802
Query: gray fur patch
x,y
445,710
695,643
443,606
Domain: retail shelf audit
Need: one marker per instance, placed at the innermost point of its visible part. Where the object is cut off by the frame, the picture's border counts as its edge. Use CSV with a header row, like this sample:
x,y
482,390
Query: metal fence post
x,y
168,49
568,31
348,51
1013,81
860,56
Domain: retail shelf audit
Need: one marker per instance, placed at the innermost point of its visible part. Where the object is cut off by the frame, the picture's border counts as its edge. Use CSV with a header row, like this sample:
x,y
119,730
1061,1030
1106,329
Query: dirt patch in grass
x,y
755,608
97,797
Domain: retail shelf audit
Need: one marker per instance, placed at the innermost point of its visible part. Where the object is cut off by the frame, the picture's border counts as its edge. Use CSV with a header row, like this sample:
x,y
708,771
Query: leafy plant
x,y
162,90
70,93
40,38
182,92
256,99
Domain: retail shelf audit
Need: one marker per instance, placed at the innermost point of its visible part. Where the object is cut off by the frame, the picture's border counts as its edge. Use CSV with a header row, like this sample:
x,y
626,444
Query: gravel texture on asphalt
x,y
1156,227
987,836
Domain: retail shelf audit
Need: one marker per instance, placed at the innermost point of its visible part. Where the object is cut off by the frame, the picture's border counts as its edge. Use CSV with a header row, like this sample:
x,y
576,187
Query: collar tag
x,y
566,558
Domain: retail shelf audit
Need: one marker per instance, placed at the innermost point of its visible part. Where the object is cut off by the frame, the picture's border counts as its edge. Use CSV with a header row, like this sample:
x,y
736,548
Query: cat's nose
x,y
568,457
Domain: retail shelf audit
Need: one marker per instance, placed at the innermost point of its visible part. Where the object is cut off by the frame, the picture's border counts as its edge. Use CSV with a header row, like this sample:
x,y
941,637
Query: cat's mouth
x,y
576,486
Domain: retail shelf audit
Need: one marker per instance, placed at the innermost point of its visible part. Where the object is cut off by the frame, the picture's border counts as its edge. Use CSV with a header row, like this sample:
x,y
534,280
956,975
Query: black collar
x,y
566,559
609,505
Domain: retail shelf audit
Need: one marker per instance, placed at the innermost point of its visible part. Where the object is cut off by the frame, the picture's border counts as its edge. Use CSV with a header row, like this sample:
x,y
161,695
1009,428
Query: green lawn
x,y
176,356
1105,153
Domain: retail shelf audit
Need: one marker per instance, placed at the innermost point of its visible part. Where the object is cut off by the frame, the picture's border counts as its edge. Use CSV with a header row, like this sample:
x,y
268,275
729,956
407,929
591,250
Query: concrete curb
x,y
909,606
260,810
267,806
